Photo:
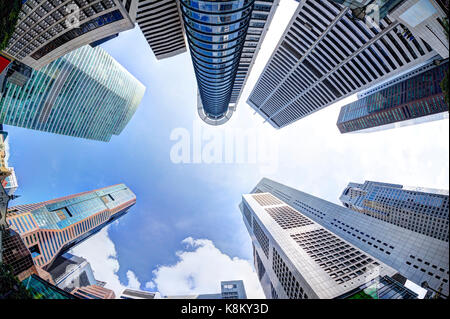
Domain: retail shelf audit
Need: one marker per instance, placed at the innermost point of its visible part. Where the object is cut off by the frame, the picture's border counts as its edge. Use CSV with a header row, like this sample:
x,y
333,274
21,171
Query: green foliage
x,y
9,14
10,286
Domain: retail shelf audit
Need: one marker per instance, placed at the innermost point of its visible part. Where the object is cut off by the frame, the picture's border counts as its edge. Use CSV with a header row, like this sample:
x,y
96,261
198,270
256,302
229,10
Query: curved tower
x,y
216,33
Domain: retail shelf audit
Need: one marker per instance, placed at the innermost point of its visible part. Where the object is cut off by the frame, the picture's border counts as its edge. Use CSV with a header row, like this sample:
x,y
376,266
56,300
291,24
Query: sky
x,y
185,234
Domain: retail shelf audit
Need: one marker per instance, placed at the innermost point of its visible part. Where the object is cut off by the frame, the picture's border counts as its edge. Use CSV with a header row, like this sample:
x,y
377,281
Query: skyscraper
x,y
86,94
51,228
230,289
326,55
47,30
160,22
422,210
93,292
413,98
137,294
420,258
69,272
296,258
224,40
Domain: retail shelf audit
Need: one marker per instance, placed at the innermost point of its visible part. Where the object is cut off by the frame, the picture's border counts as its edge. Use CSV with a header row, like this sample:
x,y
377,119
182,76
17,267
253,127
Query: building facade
x,y
224,40
421,210
420,258
86,94
296,258
416,97
231,289
325,55
93,292
47,30
51,228
160,22
137,294
69,272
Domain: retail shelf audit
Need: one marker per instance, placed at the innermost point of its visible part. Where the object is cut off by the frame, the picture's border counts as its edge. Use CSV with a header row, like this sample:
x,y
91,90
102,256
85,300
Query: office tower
x,y
296,258
425,20
224,40
420,258
160,22
86,94
18,73
14,252
231,289
51,228
47,30
367,7
422,210
137,294
415,97
93,292
42,289
326,55
69,272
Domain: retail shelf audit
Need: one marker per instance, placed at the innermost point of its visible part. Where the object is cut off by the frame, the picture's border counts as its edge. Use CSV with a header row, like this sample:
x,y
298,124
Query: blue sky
x,y
185,232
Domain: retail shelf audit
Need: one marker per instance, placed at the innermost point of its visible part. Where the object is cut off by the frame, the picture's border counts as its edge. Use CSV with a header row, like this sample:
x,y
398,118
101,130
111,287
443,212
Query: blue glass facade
x,y
85,93
216,32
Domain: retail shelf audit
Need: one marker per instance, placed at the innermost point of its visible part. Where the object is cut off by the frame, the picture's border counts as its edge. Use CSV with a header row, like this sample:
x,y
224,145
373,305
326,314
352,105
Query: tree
x,y
444,83
10,286
9,14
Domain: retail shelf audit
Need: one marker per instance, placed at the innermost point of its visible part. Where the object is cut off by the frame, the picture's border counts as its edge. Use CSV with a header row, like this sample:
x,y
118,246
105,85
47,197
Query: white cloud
x,y
200,271
101,253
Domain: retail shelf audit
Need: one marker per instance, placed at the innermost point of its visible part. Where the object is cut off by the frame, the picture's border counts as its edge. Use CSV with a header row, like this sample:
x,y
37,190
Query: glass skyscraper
x,y
85,93
51,228
216,32
415,96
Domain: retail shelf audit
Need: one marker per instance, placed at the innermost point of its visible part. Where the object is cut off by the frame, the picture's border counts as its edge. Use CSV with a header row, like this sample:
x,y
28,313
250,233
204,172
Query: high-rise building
x,y
51,228
231,289
85,93
420,258
224,40
47,30
69,272
93,292
296,258
422,210
137,294
415,97
325,55
425,19
160,22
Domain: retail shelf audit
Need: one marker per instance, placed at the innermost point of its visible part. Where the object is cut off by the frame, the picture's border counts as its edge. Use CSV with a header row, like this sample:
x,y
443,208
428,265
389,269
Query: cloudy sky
x,y
185,234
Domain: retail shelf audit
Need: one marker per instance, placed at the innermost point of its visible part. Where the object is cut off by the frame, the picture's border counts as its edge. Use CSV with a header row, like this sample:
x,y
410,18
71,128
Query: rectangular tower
x,y
51,228
47,30
233,289
325,55
420,258
296,258
414,97
160,22
421,210
85,93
